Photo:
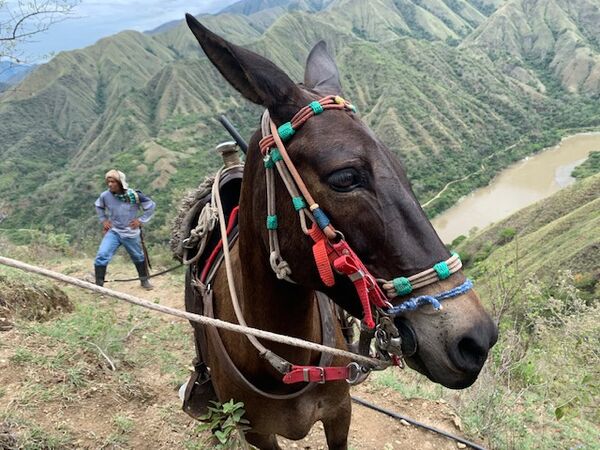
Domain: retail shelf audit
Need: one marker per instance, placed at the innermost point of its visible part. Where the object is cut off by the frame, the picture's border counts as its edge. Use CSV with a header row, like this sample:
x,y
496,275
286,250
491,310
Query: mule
x,y
363,188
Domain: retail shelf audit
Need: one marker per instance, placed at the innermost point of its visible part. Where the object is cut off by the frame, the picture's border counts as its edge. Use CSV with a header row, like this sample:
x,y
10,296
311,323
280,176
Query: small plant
x,y
226,423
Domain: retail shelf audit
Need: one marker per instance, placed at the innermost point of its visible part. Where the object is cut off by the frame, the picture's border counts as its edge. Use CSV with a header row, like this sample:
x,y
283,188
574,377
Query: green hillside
x,y
538,272
148,104
561,232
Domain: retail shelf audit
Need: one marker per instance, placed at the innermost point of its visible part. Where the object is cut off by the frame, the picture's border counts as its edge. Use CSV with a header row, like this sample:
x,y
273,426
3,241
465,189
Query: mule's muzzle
x,y
469,351
455,363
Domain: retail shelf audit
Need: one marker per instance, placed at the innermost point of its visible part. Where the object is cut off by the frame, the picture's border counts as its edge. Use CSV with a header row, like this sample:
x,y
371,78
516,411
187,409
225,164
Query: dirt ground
x,y
54,395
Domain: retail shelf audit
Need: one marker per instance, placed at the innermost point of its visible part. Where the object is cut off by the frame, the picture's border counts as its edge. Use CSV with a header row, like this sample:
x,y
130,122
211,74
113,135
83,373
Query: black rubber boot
x,y
143,274
100,274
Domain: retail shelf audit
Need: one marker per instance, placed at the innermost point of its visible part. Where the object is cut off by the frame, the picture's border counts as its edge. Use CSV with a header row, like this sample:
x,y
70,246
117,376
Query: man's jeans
x,y
111,242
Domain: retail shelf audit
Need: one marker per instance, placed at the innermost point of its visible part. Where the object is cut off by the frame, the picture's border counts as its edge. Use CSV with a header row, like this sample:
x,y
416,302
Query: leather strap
x,y
329,339
312,374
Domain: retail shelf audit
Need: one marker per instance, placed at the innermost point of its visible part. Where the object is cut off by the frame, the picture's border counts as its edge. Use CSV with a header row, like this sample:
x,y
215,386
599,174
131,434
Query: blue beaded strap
x,y
321,218
434,300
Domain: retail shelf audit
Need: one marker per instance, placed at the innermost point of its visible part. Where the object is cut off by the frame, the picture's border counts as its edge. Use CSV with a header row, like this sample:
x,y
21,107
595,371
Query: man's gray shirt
x,y
121,213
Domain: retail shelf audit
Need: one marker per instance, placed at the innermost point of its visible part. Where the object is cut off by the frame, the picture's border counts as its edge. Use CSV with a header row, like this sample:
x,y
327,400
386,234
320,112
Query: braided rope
x,y
253,332
434,300
401,286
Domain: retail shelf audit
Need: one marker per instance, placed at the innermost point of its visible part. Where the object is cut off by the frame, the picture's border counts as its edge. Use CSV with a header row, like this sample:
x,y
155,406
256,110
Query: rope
x,y
434,300
170,269
254,332
402,286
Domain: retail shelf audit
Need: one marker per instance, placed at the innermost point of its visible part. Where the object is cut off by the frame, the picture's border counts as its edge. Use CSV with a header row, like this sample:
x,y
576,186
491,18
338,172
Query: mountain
x,y
148,104
530,37
249,7
12,73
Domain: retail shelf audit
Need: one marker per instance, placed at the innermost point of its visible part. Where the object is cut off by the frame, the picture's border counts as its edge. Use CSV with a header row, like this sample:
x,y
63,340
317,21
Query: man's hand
x,y
106,225
135,223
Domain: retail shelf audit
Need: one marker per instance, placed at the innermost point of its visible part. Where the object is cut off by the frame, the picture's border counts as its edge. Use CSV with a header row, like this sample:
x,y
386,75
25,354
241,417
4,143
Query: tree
x,y
20,20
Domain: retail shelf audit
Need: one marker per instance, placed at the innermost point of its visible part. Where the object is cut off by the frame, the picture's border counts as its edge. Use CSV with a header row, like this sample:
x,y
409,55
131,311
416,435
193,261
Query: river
x,y
523,183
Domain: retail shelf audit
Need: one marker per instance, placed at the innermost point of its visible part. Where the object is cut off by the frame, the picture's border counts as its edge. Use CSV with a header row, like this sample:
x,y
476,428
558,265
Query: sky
x,y
91,20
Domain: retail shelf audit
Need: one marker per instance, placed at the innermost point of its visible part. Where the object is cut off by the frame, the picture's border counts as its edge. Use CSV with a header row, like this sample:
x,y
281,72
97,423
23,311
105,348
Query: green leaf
x,y
563,410
221,436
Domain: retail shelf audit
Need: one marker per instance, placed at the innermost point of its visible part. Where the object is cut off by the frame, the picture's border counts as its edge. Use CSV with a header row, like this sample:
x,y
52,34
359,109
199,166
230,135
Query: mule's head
x,y
363,188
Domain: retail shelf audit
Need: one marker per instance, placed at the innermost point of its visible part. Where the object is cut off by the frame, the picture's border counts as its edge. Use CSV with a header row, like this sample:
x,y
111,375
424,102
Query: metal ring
x,y
354,372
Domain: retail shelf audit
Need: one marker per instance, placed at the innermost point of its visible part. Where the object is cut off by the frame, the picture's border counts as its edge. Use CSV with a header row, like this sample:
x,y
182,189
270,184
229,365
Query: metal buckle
x,y
306,374
356,275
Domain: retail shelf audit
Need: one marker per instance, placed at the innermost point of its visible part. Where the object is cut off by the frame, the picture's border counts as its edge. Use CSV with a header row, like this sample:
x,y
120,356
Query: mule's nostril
x,y
472,352
469,354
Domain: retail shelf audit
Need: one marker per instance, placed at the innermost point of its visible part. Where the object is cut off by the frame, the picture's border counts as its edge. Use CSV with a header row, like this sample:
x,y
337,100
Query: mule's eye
x,y
344,180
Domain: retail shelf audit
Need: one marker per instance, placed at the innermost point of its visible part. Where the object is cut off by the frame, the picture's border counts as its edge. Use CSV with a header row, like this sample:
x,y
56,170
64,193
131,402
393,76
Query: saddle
x,y
197,242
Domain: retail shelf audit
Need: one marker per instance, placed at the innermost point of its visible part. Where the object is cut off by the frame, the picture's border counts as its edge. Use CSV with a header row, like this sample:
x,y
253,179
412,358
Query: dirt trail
x,y
148,398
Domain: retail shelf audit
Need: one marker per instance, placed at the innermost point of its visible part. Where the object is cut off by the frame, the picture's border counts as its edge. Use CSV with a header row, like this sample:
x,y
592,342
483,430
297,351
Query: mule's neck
x,y
268,303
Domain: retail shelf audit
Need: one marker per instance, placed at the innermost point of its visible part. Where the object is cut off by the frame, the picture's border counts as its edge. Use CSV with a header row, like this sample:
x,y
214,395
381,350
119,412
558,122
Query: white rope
x,y
274,337
422,279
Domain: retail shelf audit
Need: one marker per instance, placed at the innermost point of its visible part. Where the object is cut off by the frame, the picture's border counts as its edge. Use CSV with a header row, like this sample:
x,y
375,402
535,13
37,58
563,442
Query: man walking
x,y
118,209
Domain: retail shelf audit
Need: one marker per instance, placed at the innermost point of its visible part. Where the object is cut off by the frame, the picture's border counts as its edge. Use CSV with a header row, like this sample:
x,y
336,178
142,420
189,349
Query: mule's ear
x,y
321,71
255,77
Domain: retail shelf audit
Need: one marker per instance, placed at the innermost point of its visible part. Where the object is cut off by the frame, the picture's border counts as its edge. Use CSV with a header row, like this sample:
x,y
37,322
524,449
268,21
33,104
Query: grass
x,y
22,434
539,388
60,369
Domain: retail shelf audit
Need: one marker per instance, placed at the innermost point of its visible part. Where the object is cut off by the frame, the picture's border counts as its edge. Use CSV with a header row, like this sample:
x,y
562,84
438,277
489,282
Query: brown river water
x,y
518,186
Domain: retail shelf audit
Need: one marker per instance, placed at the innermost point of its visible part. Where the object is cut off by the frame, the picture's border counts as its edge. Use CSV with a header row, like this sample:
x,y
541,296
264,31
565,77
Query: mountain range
x,y
442,82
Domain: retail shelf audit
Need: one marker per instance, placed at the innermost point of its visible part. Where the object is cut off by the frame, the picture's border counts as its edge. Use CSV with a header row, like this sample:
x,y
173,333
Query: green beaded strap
x,y
271,222
402,286
316,107
276,155
442,270
268,161
286,131
299,203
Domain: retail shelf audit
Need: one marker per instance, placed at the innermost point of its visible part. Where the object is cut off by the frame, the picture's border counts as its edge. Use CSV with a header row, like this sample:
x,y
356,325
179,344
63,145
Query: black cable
x,y
170,269
414,422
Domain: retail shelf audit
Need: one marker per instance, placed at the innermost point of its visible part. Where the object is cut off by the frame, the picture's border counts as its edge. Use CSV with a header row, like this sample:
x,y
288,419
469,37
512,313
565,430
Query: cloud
x,y
141,15
92,20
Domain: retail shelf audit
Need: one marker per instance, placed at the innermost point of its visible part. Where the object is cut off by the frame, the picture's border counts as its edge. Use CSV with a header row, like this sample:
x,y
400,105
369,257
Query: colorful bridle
x,y
330,250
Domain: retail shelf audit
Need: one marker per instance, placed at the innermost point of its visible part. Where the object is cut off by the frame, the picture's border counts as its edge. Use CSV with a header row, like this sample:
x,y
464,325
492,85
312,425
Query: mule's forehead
x,y
338,135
